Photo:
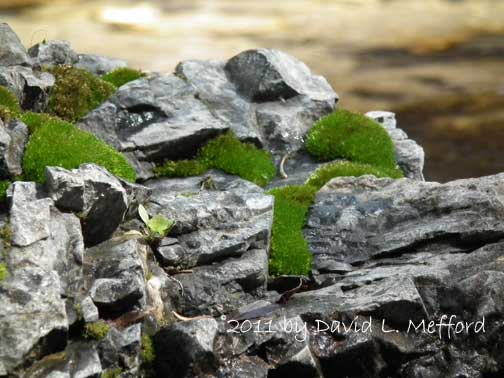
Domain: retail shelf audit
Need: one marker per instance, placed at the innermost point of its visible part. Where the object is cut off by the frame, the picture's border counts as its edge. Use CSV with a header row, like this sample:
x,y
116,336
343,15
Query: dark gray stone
x,y
122,348
51,53
99,65
409,155
355,219
13,138
94,193
12,51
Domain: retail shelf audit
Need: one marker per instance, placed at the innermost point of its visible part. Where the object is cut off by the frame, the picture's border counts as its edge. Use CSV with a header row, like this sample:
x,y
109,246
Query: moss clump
x,y
4,185
346,168
9,100
230,155
351,136
289,250
35,120
76,92
121,76
4,272
181,168
58,143
148,353
96,330
112,373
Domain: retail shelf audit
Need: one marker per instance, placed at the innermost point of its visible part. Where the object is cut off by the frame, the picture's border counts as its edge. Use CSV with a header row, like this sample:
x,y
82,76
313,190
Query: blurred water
x,y
404,55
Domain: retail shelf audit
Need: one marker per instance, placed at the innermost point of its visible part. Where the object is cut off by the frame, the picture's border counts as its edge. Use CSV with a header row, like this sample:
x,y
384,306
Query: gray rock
x,y
13,138
94,193
188,348
483,293
114,276
270,75
153,119
12,51
29,216
409,155
31,87
355,219
33,321
53,53
99,65
122,348
89,310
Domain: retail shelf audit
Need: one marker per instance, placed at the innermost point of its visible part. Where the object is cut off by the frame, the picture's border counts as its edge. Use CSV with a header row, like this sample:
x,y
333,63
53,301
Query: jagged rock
x,y
270,75
355,219
409,155
154,118
94,193
483,292
99,65
89,310
52,53
13,138
114,276
31,87
188,349
79,360
122,348
236,90
33,321
12,51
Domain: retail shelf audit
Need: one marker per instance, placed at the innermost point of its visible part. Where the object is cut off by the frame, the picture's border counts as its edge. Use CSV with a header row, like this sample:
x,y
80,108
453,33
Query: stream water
x,y
437,63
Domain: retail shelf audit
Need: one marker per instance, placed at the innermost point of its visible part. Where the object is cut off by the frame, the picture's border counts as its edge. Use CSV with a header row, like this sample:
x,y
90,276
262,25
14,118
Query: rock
x,y
31,87
114,276
484,294
154,118
355,219
99,65
53,53
122,348
12,51
89,310
33,320
270,75
94,193
79,360
236,92
409,155
188,349
29,216
13,138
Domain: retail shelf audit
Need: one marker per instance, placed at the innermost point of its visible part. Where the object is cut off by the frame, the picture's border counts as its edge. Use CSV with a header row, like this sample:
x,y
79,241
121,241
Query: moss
x,y
148,353
96,330
6,115
4,272
180,168
351,136
9,100
228,154
112,373
4,185
35,120
6,236
61,144
290,254
76,92
121,76
346,168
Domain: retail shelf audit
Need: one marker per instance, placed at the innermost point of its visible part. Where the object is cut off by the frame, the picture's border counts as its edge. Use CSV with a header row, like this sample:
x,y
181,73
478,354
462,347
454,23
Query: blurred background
x,y
439,64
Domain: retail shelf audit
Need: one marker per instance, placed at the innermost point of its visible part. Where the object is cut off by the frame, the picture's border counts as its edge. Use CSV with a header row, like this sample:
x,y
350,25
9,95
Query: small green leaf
x,y
143,214
160,225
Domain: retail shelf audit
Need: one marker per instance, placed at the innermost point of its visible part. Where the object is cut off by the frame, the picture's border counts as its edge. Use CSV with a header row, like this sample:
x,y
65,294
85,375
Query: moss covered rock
x,y
121,76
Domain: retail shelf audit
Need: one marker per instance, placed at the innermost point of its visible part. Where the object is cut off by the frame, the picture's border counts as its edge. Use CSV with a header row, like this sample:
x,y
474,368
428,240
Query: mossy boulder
x,y
58,143
351,136
76,92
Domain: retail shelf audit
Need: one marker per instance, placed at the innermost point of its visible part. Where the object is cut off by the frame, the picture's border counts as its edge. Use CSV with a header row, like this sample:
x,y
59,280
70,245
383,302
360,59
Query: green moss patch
x,y
112,373
290,254
148,353
35,120
4,185
59,143
346,168
76,92
9,100
4,272
121,76
96,330
228,154
351,136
